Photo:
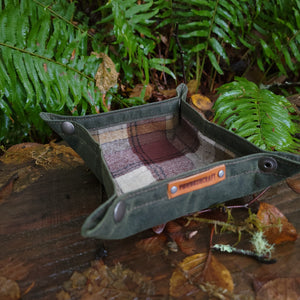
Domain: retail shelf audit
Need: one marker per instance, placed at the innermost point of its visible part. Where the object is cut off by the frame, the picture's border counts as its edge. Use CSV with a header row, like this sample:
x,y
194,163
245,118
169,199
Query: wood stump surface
x,y
47,192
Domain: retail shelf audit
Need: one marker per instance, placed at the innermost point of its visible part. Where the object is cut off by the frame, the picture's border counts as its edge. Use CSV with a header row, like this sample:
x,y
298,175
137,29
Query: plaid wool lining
x,y
142,152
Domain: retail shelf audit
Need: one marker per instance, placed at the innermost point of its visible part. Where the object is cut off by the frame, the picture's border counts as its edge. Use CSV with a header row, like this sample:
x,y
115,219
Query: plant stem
x,y
48,59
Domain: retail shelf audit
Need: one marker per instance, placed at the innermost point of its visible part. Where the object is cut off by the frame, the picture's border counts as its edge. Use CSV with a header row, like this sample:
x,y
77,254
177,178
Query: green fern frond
x,y
44,65
135,36
207,30
274,34
260,116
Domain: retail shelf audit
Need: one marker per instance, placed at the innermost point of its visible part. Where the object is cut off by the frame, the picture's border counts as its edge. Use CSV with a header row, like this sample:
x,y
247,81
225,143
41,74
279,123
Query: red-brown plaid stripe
x,y
151,150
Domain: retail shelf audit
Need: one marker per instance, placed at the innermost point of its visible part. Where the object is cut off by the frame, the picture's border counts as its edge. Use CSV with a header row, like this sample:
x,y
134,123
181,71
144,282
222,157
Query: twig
x,y
246,205
229,249
208,258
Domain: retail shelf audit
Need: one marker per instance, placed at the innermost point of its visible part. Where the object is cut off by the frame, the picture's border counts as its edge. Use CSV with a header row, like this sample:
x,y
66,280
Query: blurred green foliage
x,y
263,118
46,62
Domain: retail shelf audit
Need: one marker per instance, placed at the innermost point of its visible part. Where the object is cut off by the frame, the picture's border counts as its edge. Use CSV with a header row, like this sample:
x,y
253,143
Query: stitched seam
x,y
147,204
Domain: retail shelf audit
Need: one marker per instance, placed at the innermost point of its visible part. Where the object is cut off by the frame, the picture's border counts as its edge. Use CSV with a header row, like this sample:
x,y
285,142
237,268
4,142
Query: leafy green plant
x,y
265,33
45,61
44,66
265,119
136,38
209,29
272,33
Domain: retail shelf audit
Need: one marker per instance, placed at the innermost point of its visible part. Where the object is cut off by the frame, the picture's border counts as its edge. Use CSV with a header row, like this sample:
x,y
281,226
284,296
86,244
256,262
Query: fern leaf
x,y
42,55
218,49
214,62
209,29
258,115
22,75
295,50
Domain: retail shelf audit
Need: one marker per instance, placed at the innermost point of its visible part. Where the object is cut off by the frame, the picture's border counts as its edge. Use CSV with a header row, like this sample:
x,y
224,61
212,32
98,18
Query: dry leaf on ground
x,y
277,227
102,282
153,244
294,183
188,278
137,91
187,246
9,289
106,76
192,86
168,93
201,102
280,288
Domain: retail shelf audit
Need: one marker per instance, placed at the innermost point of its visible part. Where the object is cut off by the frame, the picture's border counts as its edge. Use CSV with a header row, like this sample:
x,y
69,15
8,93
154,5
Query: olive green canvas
x,y
163,160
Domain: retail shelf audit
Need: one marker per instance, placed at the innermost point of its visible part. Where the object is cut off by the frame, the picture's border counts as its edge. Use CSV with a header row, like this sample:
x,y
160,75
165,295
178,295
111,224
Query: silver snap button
x,y
119,211
173,189
67,128
221,173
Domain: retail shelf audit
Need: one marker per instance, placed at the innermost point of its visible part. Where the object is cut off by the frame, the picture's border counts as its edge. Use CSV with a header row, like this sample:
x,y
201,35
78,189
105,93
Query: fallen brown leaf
x,y
153,244
9,289
168,93
294,183
101,282
280,288
173,226
277,228
192,86
62,295
201,102
106,76
187,246
137,91
188,278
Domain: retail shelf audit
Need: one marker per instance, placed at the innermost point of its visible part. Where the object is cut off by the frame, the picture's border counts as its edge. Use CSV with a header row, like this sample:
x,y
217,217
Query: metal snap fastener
x,y
173,189
267,164
119,211
67,127
221,173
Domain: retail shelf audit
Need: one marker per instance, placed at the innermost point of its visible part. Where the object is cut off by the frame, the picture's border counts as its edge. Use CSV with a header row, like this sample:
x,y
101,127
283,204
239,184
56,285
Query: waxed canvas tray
x,y
162,160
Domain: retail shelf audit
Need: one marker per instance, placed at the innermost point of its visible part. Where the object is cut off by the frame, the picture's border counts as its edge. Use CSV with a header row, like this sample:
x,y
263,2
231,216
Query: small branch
x,y
246,205
209,254
230,249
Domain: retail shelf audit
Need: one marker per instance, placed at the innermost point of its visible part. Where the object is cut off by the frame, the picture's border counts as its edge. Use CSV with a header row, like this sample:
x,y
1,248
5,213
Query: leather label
x,y
197,181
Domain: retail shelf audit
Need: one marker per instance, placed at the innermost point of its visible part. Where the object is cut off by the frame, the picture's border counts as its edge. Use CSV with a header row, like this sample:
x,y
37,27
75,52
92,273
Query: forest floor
x,y
47,192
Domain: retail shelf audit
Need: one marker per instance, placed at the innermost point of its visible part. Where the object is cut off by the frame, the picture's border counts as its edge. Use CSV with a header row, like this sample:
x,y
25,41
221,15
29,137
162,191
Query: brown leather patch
x,y
197,181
